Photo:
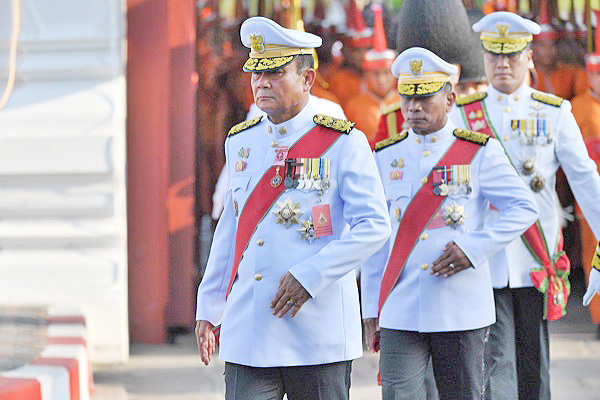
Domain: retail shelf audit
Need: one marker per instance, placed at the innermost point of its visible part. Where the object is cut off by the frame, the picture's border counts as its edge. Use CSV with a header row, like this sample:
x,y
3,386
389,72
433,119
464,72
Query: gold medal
x,y
307,230
528,166
537,183
454,215
287,212
235,207
276,180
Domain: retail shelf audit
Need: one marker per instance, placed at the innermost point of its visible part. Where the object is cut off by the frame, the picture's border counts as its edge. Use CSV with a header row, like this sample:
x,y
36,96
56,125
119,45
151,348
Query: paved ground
x,y
174,372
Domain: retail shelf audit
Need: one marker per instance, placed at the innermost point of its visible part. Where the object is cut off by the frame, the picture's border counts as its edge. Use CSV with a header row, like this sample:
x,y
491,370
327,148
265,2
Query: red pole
x,y
147,167
181,199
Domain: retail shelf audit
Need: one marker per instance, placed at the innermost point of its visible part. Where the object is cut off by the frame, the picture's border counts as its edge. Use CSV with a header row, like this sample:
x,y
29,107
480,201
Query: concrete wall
x,y
63,233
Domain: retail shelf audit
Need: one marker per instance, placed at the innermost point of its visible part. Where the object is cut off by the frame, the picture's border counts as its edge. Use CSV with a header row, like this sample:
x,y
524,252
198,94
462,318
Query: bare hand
x,y
290,296
206,340
371,327
451,261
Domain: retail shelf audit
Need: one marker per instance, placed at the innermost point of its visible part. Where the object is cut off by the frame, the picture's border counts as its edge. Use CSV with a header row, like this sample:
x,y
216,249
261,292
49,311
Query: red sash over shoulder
x,y
312,145
552,279
419,212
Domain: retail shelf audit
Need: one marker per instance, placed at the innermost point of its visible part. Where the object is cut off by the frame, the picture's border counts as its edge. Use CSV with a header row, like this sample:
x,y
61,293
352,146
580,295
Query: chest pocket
x,y
396,191
239,182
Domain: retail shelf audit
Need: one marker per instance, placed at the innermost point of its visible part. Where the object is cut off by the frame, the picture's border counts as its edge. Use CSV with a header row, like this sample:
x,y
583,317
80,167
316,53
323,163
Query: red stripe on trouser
x,y
20,388
71,365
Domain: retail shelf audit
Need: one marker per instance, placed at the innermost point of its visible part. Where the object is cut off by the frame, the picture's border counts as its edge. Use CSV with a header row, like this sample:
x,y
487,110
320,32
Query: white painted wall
x,y
62,165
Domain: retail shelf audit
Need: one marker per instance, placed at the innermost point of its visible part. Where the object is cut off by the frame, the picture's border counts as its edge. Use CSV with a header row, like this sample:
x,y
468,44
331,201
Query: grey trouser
x,y
314,382
457,359
517,354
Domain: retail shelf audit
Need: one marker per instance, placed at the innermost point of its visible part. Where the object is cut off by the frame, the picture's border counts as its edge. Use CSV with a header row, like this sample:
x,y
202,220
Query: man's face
x,y
594,81
354,56
505,72
428,114
544,53
380,81
280,92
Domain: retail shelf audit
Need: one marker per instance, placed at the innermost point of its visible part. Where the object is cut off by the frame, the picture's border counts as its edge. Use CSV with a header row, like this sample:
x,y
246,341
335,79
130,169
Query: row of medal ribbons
x,y
307,174
452,180
532,131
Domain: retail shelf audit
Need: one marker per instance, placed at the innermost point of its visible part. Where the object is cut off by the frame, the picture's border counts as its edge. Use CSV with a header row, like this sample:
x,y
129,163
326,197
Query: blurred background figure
x,y
586,109
378,81
346,81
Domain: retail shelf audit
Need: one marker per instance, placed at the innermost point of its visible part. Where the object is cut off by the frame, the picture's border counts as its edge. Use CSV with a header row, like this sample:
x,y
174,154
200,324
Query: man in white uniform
x,y
304,208
530,276
430,284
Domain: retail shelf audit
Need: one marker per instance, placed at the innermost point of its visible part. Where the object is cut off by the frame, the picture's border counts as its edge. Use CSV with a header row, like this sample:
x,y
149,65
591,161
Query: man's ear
x,y
450,99
309,78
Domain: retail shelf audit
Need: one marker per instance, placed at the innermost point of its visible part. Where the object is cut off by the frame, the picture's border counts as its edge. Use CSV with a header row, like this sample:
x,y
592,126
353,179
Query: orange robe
x,y
566,81
345,84
586,110
321,88
365,109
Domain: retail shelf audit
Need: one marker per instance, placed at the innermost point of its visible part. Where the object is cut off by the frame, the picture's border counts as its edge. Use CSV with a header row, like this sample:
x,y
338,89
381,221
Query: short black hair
x,y
304,61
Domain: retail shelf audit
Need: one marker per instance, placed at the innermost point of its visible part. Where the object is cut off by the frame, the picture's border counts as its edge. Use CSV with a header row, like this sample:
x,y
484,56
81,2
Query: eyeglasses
x,y
495,57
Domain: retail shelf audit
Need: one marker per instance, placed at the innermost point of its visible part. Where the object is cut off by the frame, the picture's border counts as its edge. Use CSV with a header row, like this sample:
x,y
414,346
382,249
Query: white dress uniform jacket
x,y
566,149
327,328
421,301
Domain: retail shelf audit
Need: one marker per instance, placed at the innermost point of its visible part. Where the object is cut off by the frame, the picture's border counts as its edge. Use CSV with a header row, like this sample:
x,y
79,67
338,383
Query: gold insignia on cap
x,y
419,89
244,125
339,125
257,42
502,29
416,66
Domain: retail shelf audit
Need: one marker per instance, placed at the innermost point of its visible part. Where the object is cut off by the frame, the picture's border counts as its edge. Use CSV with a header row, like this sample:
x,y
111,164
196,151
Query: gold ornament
x,y
288,212
537,183
416,66
528,166
307,230
257,42
454,215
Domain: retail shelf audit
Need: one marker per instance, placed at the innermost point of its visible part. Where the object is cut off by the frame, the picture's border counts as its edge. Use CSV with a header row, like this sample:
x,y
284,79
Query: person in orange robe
x,y
586,109
346,81
563,80
365,109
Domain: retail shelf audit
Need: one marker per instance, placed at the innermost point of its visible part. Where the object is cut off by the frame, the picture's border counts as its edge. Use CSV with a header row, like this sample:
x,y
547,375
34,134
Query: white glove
x,y
593,287
594,281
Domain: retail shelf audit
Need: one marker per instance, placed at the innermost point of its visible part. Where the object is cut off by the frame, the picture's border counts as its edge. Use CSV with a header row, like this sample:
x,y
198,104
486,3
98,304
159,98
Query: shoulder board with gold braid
x,y
465,99
339,125
547,98
391,140
390,108
243,126
475,137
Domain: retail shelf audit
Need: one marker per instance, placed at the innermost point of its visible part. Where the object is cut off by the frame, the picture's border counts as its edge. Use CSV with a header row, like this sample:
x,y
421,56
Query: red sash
x,y
419,212
312,145
552,279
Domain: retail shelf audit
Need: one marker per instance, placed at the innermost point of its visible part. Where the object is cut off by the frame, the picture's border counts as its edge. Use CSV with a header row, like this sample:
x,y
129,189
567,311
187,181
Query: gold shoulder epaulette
x,y
339,125
475,137
547,98
243,126
391,140
390,108
465,99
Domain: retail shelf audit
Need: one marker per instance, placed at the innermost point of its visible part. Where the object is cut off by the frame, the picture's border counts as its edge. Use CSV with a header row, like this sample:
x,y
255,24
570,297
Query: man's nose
x,y
503,61
262,80
414,105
